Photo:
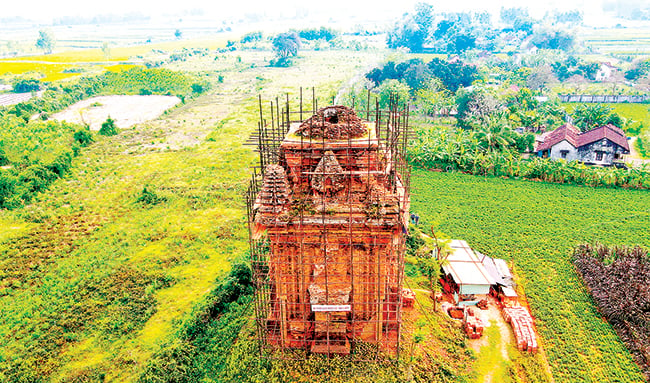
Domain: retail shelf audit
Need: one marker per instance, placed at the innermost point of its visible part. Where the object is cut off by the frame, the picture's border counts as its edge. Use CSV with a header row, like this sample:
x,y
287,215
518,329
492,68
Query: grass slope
x,y
536,225
93,282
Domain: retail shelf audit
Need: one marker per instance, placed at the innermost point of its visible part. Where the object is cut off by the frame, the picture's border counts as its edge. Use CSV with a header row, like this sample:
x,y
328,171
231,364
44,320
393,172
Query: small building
x,y
503,289
465,276
605,72
604,145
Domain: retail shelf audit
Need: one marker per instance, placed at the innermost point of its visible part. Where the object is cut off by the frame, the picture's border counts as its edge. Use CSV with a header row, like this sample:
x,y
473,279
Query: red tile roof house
x,y
601,146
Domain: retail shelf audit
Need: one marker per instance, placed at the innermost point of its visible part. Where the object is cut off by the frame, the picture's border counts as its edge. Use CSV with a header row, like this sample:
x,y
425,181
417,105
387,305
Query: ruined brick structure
x,y
328,222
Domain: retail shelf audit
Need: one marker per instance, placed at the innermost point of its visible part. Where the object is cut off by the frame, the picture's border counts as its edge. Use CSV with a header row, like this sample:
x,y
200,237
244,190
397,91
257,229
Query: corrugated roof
x,y
465,267
498,269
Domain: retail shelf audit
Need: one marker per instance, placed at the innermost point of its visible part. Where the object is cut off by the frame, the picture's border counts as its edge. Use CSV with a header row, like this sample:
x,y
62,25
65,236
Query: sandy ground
x,y
125,110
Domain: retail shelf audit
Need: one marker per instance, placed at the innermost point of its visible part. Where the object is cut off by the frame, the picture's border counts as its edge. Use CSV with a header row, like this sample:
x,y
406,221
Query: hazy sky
x,y
48,9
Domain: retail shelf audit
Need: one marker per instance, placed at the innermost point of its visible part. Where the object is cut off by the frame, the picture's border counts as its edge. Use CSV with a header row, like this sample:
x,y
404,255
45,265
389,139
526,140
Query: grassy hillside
x,y
536,225
95,274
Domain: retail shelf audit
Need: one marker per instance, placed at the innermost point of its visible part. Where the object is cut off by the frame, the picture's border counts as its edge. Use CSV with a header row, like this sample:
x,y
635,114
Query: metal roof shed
x,y
467,270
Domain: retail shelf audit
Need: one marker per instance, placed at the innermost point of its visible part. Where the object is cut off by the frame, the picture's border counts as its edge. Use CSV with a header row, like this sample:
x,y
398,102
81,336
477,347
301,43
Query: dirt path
x,y
634,156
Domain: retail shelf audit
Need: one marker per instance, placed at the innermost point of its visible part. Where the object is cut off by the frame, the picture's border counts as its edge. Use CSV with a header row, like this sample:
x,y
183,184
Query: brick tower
x,y
328,222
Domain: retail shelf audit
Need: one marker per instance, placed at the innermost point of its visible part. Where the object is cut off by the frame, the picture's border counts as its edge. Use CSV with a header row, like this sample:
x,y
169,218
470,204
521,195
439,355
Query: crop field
x,y
536,225
72,63
623,41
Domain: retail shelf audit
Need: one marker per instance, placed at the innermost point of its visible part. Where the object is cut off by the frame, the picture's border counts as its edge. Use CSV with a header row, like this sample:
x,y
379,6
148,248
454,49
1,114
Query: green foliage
x,y
114,304
638,70
412,31
417,74
390,89
476,153
553,39
38,154
590,116
45,41
618,278
322,33
153,81
286,45
573,66
83,137
537,234
433,99
180,362
149,197
476,106
251,37
453,75
25,85
108,127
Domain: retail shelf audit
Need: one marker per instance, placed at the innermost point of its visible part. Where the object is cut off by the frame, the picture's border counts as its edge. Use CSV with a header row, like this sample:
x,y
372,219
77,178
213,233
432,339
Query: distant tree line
x,y
458,32
415,73
572,66
101,19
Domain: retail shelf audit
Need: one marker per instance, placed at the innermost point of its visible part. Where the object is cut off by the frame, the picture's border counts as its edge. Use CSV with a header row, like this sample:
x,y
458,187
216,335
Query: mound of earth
x,y
125,110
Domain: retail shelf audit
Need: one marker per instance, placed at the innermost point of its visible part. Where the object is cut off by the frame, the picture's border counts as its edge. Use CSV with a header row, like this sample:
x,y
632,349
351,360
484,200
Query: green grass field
x,y
535,225
91,281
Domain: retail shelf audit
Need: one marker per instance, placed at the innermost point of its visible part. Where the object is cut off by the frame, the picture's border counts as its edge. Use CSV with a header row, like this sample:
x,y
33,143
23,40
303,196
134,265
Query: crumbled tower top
x,y
334,123
275,190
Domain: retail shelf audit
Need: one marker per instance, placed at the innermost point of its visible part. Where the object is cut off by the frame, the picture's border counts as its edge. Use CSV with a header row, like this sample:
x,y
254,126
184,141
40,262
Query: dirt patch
x,y
125,110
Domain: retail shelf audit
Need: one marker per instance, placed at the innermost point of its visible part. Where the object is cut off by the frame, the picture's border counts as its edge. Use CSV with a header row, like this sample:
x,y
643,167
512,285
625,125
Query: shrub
x,y
83,137
108,127
148,197
198,88
27,85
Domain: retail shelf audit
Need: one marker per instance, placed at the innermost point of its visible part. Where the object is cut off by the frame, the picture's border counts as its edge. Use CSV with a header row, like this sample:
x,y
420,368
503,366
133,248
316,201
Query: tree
x,y
45,41
540,77
26,85
588,117
178,34
106,49
453,75
286,44
475,107
433,98
393,89
553,39
108,127
413,30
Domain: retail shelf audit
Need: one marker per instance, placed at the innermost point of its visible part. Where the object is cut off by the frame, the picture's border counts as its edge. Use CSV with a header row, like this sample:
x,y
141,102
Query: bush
x,y
198,88
83,137
27,85
148,197
281,62
108,127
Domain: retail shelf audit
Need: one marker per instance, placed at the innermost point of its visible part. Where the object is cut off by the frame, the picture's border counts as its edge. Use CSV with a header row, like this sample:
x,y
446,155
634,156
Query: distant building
x,y
601,146
605,72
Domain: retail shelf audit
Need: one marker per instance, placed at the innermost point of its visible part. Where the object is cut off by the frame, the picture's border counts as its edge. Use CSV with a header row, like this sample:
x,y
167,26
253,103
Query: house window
x,y
564,153
599,155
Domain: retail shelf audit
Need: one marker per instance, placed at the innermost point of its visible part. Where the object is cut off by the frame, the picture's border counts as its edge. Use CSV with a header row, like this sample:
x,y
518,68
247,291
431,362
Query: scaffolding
x,y
328,213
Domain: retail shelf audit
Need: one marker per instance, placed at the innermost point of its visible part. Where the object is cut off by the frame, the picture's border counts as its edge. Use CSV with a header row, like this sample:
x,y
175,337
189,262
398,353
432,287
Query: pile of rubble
x,y
333,123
